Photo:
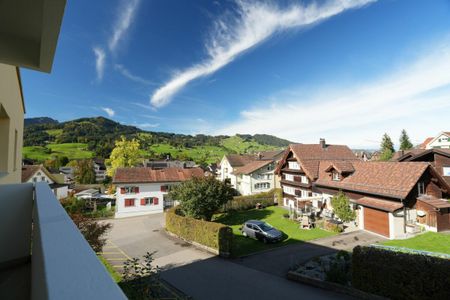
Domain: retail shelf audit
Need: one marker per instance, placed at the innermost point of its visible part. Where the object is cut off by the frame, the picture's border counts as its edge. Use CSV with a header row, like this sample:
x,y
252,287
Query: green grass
x,y
114,274
274,216
239,145
429,241
54,132
71,150
208,153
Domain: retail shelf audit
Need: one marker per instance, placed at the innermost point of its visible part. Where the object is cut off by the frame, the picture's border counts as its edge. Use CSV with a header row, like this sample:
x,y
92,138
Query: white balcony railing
x,y
60,262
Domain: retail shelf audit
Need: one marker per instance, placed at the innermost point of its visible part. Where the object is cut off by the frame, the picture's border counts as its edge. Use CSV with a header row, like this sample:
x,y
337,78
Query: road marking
x,y
110,253
118,259
120,250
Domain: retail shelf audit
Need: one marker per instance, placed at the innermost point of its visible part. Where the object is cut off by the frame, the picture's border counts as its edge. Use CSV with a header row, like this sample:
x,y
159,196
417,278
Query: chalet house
x,y
388,195
141,191
299,169
251,174
38,173
442,141
438,158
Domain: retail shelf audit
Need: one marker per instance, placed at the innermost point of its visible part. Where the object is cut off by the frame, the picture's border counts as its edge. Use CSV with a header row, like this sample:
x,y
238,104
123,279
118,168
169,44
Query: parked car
x,y
261,231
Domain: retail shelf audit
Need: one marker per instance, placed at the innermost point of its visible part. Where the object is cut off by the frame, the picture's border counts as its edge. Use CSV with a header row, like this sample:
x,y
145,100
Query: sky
x,y
347,71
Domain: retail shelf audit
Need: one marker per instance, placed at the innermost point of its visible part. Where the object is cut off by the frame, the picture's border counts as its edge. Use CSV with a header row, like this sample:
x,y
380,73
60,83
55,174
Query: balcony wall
x,y
63,265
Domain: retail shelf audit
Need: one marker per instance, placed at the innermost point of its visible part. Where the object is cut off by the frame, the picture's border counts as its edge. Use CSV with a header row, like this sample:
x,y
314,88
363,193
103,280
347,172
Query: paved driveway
x,y
278,261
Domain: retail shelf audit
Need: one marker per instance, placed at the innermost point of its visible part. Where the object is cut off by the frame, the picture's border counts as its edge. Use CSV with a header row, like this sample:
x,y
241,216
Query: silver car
x,y
261,231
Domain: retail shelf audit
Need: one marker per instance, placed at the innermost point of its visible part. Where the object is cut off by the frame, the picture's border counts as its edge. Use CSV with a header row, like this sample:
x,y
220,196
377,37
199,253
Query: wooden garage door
x,y
376,221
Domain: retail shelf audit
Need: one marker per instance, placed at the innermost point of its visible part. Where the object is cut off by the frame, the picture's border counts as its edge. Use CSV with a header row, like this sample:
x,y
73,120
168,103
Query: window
x,y
289,177
289,190
262,186
225,170
42,178
38,174
421,188
335,176
304,179
34,179
129,190
446,171
129,202
293,165
164,188
149,201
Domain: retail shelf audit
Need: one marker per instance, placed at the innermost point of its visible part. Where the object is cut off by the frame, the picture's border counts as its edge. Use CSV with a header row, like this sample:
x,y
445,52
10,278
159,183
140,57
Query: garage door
x,y
376,221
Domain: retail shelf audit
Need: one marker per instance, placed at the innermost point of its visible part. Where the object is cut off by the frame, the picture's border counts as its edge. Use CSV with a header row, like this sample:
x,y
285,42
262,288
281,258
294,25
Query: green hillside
x,y
95,137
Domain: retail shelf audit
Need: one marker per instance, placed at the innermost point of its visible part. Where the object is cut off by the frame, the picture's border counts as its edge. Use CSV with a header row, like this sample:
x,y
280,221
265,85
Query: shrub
x,y
92,231
341,207
400,275
333,227
339,272
240,203
210,234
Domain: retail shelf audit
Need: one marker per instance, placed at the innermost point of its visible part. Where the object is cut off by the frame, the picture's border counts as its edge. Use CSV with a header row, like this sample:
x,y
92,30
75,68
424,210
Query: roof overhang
x,y
29,31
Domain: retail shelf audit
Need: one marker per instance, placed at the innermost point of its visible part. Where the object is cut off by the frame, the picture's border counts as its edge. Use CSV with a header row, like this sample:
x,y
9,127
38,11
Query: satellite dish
x,y
421,213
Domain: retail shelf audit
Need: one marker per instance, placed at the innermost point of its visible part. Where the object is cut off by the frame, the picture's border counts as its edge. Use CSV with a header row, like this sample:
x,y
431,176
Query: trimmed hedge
x,y
400,275
211,234
240,203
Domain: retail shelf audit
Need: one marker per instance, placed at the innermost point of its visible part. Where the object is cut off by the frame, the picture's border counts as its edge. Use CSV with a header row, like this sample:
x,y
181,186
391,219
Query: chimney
x,y
259,155
322,143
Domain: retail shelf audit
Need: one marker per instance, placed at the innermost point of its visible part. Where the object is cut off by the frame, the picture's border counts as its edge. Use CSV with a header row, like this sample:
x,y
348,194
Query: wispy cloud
x,y
415,97
125,19
109,111
126,73
100,56
141,105
253,23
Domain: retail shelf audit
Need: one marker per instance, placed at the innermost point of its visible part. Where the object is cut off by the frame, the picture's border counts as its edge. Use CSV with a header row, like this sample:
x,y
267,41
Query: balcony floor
x,y
15,282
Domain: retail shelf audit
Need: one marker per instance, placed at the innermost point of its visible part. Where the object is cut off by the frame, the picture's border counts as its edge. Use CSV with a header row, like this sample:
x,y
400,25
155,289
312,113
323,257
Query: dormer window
x,y
293,165
421,188
335,176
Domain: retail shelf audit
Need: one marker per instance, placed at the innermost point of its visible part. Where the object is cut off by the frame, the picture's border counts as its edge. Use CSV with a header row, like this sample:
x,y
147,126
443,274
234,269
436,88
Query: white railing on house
x,y
63,265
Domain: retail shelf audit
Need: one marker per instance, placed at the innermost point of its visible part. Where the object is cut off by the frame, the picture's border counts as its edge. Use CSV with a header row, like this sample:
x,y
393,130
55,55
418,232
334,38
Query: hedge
x,y
400,275
210,234
248,202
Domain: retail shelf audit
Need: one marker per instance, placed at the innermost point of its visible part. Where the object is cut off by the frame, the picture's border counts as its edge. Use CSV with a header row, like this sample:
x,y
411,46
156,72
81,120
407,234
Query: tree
x,y
387,148
125,154
341,207
201,197
84,172
92,230
405,143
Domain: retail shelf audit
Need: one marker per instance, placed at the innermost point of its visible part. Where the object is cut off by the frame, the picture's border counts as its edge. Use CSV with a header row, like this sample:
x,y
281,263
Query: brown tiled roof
x,y
29,170
342,166
380,204
251,167
271,154
238,160
425,143
402,154
309,156
148,175
392,179
435,202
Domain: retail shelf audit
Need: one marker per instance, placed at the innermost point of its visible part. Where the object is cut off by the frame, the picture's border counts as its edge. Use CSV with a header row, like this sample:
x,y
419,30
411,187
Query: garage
x,y
376,221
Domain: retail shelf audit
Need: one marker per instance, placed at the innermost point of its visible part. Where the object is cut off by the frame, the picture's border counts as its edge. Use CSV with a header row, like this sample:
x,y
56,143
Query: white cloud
x,y
415,97
109,111
99,62
255,22
123,22
126,73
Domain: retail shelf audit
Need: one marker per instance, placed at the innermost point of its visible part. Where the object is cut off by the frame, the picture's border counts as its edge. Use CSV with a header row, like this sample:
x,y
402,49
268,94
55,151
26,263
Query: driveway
x,y
278,261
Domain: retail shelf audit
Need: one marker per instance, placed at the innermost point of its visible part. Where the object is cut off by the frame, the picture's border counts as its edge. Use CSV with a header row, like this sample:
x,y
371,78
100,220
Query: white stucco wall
x,y
61,192
11,125
396,227
40,176
145,190
442,141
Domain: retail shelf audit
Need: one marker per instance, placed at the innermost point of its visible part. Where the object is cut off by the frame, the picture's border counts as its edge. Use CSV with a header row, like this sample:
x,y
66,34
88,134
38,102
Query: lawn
x,y
239,145
71,150
208,153
429,241
274,216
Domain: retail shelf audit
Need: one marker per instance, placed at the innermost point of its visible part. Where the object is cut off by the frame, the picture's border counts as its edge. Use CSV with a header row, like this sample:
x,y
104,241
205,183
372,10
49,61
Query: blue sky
x,y
344,70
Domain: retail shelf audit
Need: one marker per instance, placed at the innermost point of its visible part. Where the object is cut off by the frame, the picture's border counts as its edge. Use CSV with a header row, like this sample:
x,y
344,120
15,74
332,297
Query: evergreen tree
x,y
387,148
405,143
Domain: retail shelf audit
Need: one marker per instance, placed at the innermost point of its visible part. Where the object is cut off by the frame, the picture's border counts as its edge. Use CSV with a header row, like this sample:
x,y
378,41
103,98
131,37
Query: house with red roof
x,y
141,191
391,199
442,141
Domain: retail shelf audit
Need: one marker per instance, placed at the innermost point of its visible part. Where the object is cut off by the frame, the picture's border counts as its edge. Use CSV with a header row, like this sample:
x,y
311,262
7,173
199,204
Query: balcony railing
x,y
42,254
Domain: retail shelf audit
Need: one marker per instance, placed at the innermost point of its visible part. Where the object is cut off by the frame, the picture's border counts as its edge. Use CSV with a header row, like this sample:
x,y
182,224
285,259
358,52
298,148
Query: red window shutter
x,y
155,201
136,189
131,202
122,190
143,201
163,188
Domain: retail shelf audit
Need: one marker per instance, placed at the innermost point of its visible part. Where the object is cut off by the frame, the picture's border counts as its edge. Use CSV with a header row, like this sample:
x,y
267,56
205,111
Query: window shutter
x,y
143,201
155,201
163,188
122,190
136,189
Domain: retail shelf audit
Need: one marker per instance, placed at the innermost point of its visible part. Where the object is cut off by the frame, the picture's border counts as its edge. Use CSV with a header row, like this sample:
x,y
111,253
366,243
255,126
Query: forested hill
x,y
98,135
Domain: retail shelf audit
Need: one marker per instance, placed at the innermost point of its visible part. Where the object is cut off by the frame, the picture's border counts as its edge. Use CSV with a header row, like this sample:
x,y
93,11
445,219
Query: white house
x,y
141,191
442,140
38,173
251,174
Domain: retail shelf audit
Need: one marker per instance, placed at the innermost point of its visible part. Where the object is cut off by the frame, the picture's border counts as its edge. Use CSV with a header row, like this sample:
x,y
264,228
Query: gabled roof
x,y
426,142
435,202
342,166
391,179
380,204
310,155
29,170
239,160
447,133
419,153
148,175
251,167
